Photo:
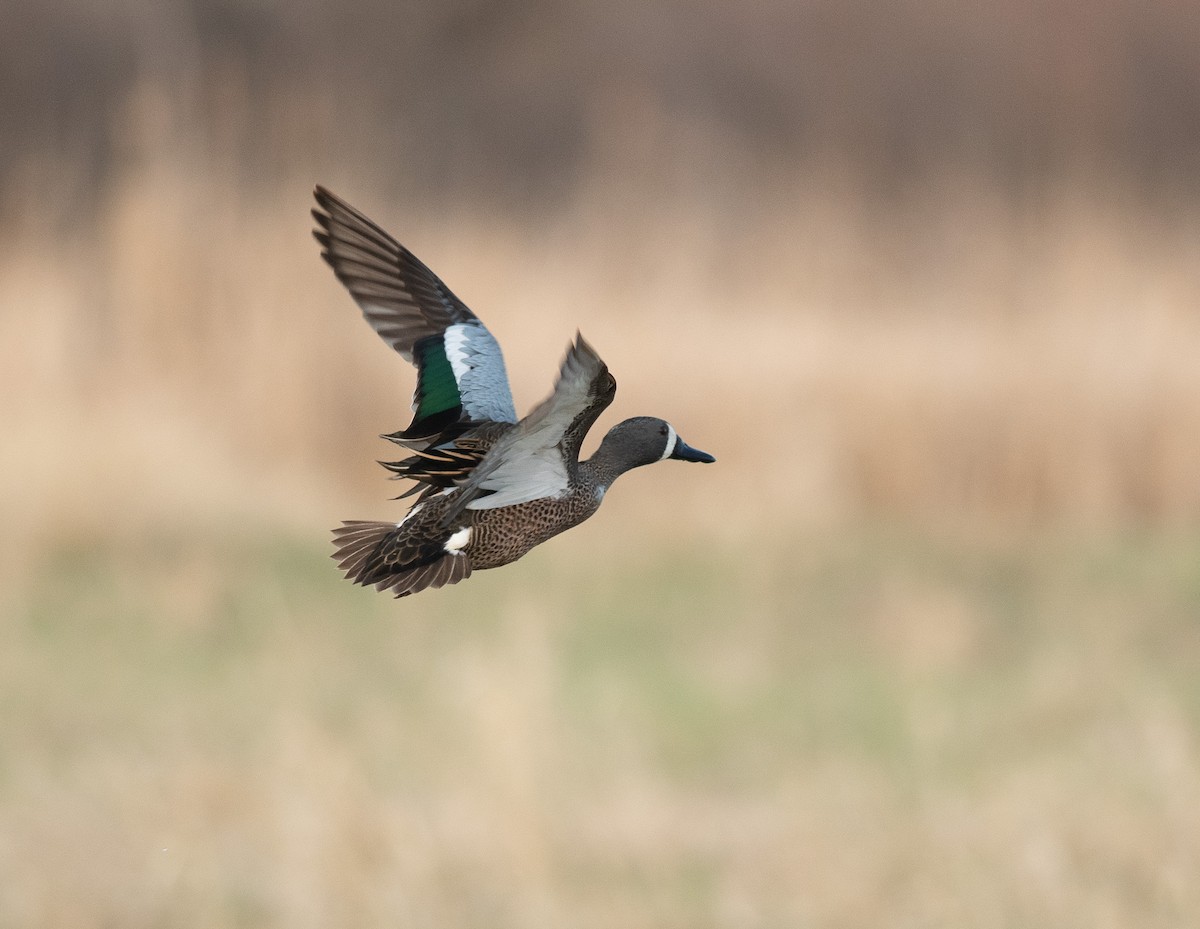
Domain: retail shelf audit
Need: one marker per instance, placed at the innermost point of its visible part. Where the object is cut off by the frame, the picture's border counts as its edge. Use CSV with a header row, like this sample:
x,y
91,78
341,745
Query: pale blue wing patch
x,y
478,366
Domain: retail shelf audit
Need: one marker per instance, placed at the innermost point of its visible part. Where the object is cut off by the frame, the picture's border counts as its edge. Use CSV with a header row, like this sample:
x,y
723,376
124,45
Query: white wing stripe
x,y
456,351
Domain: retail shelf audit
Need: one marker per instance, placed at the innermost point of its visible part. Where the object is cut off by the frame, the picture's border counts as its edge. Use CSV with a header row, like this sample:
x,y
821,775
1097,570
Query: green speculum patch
x,y
437,390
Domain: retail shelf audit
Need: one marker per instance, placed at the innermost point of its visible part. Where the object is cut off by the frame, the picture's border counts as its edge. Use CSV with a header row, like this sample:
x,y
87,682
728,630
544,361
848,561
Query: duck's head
x,y
644,440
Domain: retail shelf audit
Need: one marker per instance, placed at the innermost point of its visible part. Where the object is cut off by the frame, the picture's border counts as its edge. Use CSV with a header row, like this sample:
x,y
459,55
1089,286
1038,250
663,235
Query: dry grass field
x,y
833,729
921,650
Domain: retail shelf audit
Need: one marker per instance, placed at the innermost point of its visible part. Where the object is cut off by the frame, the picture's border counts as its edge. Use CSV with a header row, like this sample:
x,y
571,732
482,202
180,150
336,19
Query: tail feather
x,y
391,557
450,569
355,541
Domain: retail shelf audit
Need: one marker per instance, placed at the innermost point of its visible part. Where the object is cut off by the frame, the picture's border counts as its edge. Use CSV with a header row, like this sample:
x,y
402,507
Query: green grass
x,y
873,728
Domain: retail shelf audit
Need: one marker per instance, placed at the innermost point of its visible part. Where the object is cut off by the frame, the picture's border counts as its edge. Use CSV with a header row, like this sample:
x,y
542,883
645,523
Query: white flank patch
x,y
456,350
457,542
671,437
409,515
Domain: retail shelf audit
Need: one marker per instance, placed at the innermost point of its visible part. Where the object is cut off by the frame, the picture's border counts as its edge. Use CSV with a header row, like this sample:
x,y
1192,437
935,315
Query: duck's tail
x,y
395,557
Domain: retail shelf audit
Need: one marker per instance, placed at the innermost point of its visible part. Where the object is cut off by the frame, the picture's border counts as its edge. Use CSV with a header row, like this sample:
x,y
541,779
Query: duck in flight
x,y
489,486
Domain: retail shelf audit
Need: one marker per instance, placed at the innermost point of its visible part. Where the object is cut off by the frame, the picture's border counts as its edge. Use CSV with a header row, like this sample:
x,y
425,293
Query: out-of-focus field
x,y
921,649
832,729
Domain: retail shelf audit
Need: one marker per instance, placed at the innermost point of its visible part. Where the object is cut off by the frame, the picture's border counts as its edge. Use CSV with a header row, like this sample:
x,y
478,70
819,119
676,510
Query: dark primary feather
x,y
402,299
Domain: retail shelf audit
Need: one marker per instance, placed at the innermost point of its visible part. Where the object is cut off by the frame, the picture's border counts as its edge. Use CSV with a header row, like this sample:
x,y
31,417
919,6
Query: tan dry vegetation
x,y
970,366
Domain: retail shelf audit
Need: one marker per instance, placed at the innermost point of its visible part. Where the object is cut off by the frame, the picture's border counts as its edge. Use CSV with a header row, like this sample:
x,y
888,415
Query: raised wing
x,y
538,458
460,369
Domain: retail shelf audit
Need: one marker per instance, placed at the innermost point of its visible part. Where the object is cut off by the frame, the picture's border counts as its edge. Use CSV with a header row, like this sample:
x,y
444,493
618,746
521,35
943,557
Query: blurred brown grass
x,y
970,364
867,325
920,649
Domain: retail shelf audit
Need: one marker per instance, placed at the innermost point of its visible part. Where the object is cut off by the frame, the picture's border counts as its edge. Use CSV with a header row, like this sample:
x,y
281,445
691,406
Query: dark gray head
x,y
641,441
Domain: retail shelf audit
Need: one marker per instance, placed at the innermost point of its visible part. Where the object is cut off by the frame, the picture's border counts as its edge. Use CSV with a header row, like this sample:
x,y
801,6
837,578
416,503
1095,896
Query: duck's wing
x,y
539,457
446,464
460,369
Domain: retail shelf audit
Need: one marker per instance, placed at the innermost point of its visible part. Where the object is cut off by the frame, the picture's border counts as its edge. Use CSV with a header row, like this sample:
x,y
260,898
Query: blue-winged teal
x,y
491,487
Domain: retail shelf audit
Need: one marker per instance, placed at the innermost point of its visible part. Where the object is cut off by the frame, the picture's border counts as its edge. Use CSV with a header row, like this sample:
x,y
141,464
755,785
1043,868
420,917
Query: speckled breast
x,y
504,535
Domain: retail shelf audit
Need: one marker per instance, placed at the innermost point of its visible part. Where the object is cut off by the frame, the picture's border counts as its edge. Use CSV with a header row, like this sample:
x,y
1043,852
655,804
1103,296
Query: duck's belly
x,y
503,535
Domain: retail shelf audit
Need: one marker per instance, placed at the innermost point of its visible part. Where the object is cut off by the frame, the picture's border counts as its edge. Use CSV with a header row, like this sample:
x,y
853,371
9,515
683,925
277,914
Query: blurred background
x,y
922,649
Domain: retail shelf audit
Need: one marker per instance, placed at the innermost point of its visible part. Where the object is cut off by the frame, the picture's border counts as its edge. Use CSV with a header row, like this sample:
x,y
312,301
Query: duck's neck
x,y
603,467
